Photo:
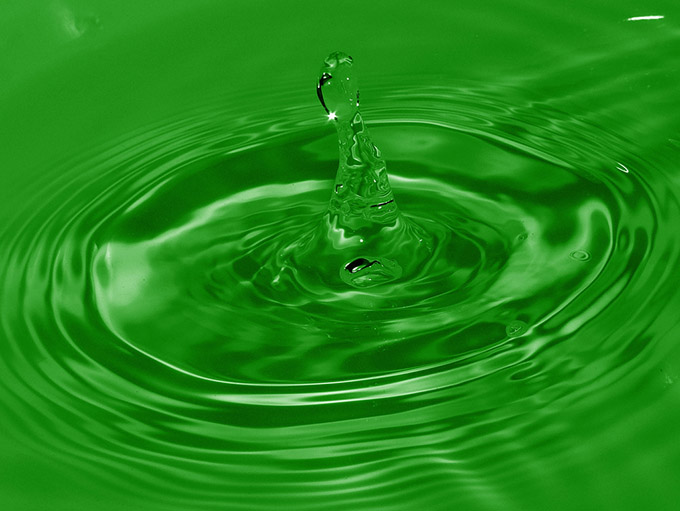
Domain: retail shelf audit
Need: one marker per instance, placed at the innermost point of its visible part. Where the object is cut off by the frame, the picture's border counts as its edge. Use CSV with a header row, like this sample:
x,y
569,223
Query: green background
x,y
95,98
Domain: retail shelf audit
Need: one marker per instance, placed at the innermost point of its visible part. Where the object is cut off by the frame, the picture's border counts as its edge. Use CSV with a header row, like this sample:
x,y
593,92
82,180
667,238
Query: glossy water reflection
x,y
163,348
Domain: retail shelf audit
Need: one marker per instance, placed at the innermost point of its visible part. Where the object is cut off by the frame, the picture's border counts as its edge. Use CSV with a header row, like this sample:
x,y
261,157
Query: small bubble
x,y
516,328
580,255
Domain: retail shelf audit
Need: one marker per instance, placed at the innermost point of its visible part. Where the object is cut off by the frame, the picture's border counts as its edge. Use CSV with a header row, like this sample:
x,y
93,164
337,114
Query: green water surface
x,y
207,305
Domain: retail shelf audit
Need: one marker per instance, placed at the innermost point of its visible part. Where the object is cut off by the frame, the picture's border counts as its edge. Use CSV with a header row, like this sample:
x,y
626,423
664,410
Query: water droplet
x,y
337,89
580,255
516,328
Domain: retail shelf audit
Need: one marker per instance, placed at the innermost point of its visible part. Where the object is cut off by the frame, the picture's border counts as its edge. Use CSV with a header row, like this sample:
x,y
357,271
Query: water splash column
x,y
362,196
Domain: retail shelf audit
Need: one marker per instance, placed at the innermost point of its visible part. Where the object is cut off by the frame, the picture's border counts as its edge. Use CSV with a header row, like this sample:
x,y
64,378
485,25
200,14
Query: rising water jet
x,y
367,239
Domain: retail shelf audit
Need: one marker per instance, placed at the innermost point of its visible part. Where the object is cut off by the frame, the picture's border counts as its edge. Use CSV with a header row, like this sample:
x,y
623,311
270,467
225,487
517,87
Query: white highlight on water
x,y
645,18
620,166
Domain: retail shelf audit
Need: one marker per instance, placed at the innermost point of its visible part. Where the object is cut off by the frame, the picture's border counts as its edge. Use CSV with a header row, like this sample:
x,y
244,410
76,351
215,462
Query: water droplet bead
x,y
337,89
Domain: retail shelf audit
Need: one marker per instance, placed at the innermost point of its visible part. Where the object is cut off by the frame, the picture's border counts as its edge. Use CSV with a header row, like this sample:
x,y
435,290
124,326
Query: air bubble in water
x,y
580,255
